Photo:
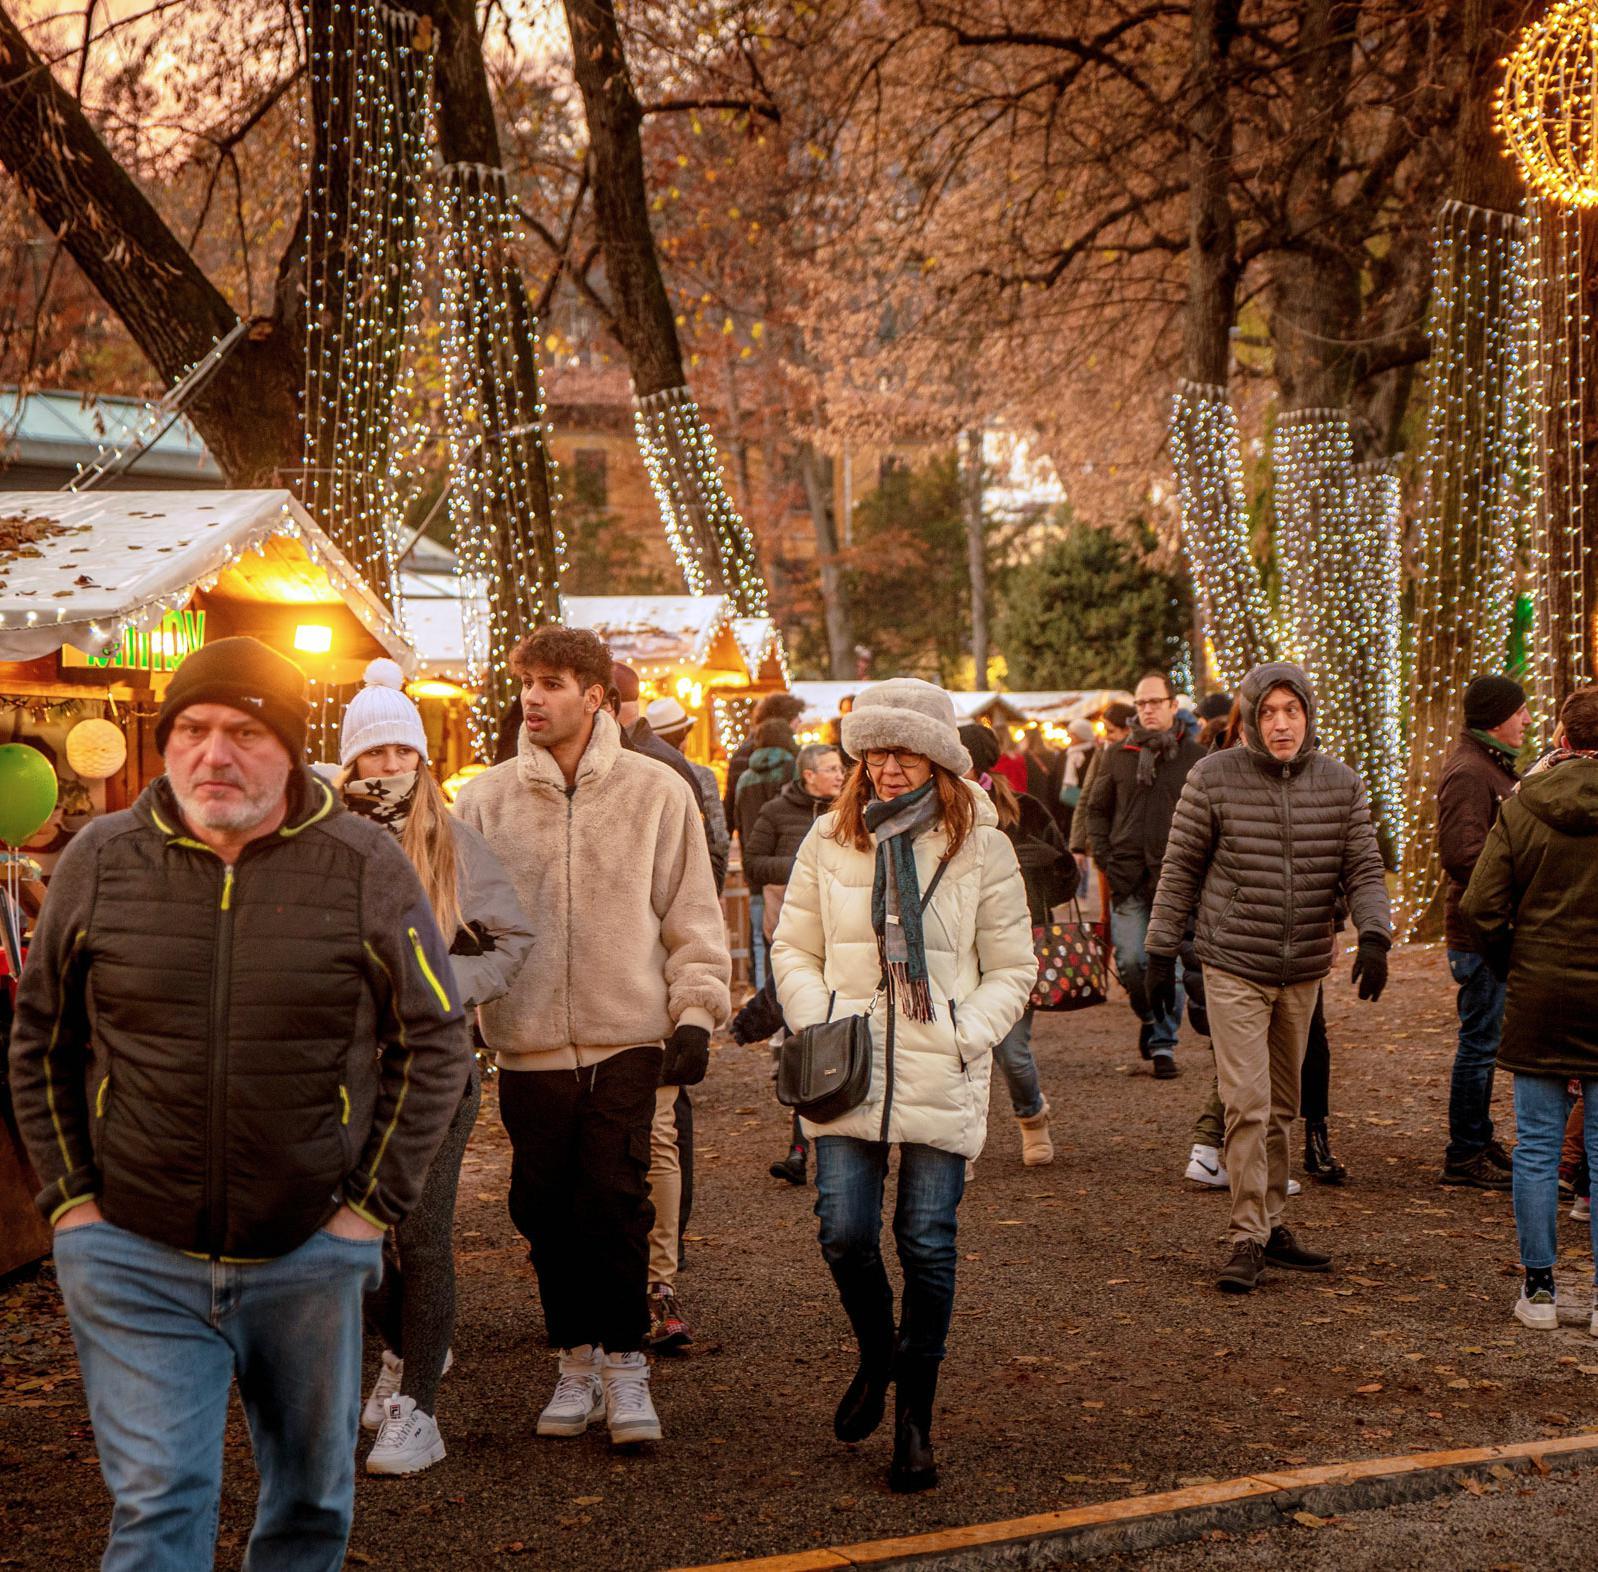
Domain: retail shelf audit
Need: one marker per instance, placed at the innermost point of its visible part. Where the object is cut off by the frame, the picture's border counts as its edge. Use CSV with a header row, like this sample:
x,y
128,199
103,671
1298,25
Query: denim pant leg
x,y
849,1179
295,1328
1589,1101
1013,1052
931,1182
1481,1021
758,959
1129,928
1541,1105
156,1374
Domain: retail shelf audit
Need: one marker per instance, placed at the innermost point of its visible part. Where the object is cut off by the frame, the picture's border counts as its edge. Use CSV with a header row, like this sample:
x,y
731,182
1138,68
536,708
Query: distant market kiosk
x,y
103,596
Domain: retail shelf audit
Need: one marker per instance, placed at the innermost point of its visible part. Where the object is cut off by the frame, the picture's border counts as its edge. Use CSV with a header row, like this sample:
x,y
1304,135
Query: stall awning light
x,y
314,638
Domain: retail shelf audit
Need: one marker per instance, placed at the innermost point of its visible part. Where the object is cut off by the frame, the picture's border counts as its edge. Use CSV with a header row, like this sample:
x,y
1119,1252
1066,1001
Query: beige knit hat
x,y
906,712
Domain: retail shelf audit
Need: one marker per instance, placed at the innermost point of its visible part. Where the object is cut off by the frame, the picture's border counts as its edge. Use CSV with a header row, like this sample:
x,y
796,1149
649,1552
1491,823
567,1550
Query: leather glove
x,y
687,1057
1159,980
1370,968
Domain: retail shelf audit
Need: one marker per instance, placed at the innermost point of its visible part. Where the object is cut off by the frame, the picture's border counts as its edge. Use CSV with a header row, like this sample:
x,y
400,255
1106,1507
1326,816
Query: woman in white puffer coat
x,y
953,978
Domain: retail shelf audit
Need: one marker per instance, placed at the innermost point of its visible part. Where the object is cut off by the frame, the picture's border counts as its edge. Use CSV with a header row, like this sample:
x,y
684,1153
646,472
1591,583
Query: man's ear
x,y
594,699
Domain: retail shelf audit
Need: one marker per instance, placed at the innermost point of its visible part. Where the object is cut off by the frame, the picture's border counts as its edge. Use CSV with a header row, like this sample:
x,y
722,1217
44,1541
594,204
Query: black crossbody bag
x,y
825,1070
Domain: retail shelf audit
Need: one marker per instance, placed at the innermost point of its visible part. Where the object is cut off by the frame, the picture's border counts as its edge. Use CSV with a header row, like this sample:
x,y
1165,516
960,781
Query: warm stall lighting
x,y
437,688
454,783
314,638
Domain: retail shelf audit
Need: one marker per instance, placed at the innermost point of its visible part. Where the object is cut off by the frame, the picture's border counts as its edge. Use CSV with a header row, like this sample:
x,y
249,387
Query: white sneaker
x,y
408,1441
1581,1211
1294,1187
579,1393
389,1375
1539,1312
628,1408
1204,1167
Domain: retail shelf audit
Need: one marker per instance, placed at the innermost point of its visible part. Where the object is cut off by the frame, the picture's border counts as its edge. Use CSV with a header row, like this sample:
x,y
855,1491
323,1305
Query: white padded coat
x,y
929,1081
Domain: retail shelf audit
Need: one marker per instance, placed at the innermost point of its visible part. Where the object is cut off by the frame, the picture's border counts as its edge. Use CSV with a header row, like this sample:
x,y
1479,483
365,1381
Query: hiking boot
x,y
1165,1066
1318,1160
1242,1271
579,1393
390,1378
1537,1310
667,1328
1204,1166
408,1441
1477,1173
1037,1145
628,1408
1499,1155
792,1167
1283,1250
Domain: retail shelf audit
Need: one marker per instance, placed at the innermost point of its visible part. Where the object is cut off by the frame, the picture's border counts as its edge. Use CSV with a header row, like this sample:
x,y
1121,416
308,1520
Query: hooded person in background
x,y
771,767
1478,775
383,777
1267,839
784,707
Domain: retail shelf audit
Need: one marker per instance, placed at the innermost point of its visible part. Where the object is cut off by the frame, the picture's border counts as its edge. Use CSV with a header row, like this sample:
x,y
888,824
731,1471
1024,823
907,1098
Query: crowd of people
x,y
245,1056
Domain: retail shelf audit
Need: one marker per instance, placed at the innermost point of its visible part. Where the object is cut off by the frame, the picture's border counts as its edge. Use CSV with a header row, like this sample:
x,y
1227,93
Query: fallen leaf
x,y
1369,1387
1309,1520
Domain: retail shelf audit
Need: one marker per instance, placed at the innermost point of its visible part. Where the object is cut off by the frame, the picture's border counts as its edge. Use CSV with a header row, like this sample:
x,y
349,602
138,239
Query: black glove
x,y
1370,968
687,1057
1159,982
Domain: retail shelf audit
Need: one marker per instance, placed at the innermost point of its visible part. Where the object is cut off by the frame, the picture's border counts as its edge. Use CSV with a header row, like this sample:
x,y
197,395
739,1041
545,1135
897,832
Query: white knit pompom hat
x,y
907,713
381,713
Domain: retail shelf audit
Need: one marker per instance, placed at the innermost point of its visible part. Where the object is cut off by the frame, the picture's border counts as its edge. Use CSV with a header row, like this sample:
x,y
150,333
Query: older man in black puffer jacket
x,y
1265,838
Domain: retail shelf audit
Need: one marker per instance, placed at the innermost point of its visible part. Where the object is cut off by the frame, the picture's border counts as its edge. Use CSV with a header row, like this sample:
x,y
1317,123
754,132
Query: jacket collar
x,y
536,766
311,801
1500,759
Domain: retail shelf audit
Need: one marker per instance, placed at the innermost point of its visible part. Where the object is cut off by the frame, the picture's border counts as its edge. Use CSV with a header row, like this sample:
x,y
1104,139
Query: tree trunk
x,y
976,558
815,472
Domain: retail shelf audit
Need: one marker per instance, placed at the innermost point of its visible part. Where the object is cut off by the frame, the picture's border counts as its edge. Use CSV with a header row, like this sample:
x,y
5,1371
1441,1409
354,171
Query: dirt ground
x,y
1090,1358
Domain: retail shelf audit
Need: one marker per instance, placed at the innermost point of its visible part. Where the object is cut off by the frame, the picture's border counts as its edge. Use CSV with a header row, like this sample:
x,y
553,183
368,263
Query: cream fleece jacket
x,y
616,878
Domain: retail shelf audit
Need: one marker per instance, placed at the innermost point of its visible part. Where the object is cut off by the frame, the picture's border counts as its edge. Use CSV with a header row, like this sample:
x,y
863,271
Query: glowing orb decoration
x,y
1548,105
96,749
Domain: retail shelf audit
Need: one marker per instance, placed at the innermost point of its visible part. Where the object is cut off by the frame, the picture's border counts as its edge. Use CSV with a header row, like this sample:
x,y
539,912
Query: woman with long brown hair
x,y
905,905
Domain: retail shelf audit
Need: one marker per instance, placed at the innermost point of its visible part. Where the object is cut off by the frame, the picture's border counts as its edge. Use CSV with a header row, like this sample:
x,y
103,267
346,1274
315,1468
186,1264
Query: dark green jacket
x,y
220,1056
1533,902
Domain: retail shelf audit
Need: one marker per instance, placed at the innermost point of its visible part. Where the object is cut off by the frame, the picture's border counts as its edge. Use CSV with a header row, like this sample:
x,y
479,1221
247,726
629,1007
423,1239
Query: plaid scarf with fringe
x,y
896,894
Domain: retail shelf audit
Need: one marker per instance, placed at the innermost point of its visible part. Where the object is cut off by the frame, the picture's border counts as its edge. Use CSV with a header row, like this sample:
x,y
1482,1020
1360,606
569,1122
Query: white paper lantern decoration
x,y
96,749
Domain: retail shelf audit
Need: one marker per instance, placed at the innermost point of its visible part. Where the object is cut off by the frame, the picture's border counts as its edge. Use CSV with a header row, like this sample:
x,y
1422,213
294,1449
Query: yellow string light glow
x,y
1548,104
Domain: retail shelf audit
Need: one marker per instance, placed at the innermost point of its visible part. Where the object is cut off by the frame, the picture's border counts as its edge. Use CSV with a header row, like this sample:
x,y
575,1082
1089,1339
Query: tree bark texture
x,y
976,546
816,474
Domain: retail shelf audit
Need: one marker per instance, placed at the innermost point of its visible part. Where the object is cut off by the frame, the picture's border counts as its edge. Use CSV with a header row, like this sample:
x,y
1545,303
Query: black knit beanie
x,y
249,676
982,743
1490,701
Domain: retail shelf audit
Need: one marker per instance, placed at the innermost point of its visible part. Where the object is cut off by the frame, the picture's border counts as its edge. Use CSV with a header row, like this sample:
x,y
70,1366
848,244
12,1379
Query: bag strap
x,y
926,900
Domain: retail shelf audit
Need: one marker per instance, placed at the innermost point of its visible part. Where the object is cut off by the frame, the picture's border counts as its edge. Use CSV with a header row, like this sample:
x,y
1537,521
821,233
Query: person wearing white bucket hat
x,y
383,776
906,896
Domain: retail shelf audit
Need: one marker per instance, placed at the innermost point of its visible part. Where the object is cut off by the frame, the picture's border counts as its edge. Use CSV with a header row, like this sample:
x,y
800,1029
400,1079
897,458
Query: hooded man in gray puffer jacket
x,y
1267,840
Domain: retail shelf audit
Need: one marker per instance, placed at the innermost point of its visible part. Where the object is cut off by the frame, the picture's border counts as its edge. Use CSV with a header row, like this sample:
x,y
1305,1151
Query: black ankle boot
x,y
915,1388
792,1167
1318,1160
868,1302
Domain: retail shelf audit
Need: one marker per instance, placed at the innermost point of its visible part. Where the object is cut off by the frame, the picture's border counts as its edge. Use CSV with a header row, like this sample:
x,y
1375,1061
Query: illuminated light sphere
x,y
96,749
1548,105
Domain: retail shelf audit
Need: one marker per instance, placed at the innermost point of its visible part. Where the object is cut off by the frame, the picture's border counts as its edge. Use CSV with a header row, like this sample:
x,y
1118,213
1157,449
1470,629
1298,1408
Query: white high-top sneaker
x,y
389,1376
628,1407
408,1442
579,1393
1204,1166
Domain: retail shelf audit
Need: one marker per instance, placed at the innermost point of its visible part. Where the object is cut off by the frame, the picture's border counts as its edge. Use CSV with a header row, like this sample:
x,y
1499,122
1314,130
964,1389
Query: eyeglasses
x,y
877,759
1150,704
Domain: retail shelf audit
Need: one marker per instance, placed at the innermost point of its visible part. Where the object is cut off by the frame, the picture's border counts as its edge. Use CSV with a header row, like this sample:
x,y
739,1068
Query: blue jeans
x,y
849,1179
1542,1105
1013,1054
161,1336
1481,1022
757,937
1129,929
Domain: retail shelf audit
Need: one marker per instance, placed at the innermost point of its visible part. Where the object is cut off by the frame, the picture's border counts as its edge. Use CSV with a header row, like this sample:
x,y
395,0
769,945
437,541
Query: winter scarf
x,y
770,766
896,894
1494,744
1558,756
384,799
1154,747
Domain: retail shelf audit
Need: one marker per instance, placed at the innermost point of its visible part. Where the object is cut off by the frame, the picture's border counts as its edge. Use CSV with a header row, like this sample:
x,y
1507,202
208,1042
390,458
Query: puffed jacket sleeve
x,y
1005,955
497,935
798,948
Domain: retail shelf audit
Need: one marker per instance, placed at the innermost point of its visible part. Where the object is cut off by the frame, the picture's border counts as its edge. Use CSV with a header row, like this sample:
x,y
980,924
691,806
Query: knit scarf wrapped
x,y
1155,747
384,799
896,895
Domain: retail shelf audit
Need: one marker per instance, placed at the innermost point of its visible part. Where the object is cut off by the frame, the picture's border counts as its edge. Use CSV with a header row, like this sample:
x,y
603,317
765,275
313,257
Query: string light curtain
x,y
1475,503
509,550
364,149
1238,628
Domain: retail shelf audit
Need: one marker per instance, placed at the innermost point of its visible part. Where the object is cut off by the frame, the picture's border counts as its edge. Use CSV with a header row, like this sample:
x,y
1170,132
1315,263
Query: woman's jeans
x,y
1013,1055
849,1181
1542,1104
162,1336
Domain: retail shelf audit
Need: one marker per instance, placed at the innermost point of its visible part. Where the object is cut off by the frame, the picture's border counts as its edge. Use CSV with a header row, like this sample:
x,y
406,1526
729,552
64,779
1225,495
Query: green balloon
x,y
28,792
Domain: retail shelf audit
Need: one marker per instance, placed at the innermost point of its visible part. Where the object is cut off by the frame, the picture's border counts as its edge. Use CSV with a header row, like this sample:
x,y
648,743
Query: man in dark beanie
x,y
275,1051
1478,775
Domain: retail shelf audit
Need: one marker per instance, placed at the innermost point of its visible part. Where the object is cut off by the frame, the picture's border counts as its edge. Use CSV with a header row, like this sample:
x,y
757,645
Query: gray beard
x,y
243,814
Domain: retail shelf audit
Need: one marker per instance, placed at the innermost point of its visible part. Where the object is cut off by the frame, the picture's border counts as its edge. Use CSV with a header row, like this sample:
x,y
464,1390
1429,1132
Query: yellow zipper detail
x,y
344,1103
427,971
227,889
99,1096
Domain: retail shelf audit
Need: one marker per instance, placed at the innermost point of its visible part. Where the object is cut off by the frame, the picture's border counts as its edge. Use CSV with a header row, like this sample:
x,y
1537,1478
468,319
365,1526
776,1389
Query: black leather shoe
x,y
1145,1036
1319,1163
1283,1250
915,1387
1241,1274
792,1167
1165,1068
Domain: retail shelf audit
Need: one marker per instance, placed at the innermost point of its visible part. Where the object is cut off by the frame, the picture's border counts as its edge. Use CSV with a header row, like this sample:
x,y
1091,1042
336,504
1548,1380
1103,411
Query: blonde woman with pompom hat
x,y
383,776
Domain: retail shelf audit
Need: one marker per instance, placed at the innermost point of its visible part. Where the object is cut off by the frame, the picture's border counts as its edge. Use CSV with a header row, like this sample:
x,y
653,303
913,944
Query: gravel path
x,y
1091,1358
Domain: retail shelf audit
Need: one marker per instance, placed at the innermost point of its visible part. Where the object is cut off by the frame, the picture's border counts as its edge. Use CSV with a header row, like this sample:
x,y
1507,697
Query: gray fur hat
x,y
907,713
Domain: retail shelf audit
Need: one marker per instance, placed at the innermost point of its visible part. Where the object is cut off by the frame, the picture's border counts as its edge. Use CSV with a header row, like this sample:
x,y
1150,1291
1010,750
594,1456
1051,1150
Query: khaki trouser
x,y
665,1187
1260,1034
